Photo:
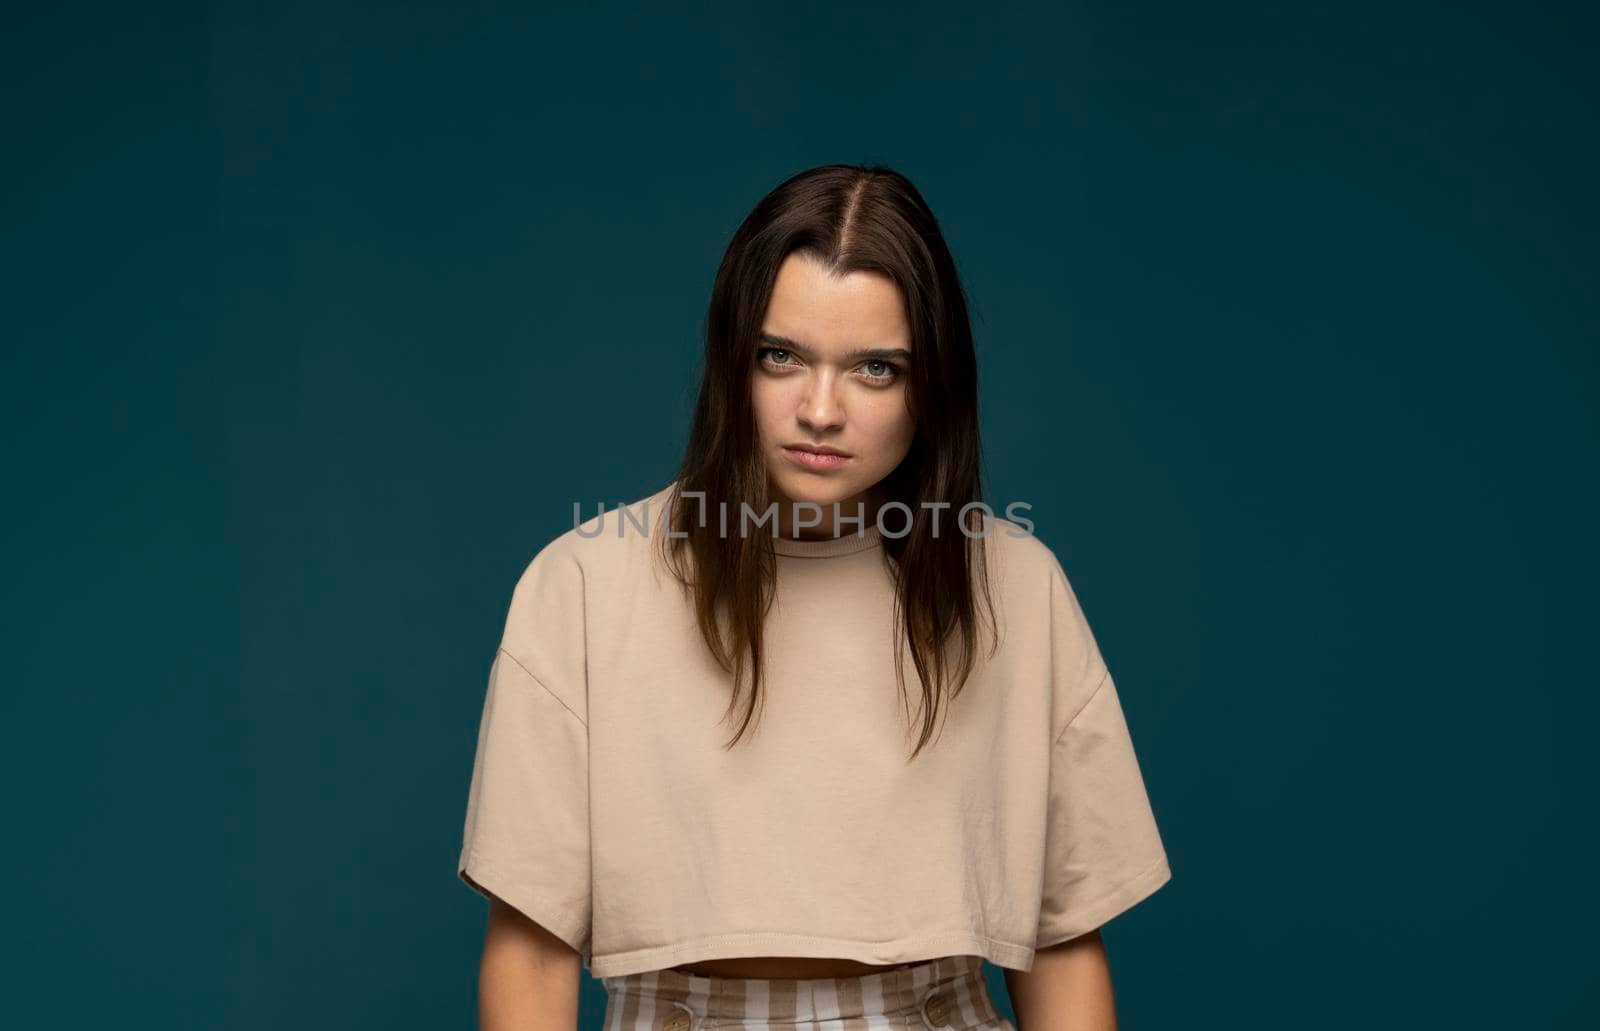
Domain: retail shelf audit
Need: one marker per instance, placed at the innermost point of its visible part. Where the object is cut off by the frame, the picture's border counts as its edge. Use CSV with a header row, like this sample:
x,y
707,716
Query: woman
x,y
809,871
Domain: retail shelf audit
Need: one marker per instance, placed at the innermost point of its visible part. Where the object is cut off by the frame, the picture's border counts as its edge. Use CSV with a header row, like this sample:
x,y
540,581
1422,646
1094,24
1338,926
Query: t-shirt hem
x,y
758,943
1119,900
547,912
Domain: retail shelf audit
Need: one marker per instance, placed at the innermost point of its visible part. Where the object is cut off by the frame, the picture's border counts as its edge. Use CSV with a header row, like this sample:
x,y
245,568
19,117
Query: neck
x,y
865,505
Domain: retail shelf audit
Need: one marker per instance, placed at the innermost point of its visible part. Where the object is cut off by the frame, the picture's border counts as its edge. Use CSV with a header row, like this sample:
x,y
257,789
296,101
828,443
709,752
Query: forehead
x,y
817,309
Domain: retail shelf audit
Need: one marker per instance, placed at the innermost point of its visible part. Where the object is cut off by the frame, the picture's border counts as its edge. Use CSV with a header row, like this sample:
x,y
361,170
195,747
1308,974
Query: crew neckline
x,y
847,543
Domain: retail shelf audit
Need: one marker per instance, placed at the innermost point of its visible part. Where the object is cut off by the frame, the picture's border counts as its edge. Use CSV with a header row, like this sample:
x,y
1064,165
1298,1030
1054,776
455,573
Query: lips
x,y
818,450
819,461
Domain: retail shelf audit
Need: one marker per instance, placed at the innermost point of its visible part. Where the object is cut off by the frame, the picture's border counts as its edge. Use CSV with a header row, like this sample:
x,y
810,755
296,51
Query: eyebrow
x,y
869,353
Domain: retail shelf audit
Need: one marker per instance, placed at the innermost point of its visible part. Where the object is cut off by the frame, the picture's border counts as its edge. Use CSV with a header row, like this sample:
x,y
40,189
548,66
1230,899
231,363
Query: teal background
x,y
318,318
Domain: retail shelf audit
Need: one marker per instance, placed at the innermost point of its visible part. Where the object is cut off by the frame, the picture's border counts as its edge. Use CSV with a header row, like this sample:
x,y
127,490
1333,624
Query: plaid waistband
x,y
947,991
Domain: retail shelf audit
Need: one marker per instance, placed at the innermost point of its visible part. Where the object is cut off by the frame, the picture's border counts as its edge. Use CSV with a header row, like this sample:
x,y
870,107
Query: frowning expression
x,y
831,376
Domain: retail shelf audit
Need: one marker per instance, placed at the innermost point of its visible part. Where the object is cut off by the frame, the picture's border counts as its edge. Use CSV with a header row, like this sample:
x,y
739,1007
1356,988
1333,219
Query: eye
x,y
761,355
890,373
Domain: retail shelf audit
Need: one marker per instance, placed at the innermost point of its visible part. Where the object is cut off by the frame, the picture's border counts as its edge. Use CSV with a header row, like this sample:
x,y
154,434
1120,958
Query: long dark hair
x,y
853,219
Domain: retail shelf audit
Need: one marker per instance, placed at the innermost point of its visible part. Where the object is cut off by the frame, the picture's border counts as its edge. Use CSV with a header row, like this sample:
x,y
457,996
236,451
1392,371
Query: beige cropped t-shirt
x,y
603,805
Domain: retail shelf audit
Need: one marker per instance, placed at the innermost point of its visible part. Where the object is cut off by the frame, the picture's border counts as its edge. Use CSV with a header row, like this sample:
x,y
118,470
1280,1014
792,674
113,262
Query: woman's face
x,y
831,372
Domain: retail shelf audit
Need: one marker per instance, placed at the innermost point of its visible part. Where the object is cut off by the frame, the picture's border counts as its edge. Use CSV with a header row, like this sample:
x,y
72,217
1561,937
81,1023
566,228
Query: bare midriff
x,y
784,966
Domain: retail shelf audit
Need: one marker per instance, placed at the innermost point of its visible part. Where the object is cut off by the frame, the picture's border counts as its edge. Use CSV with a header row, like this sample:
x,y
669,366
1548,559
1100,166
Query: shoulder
x,y
1019,559
1043,606
608,547
580,578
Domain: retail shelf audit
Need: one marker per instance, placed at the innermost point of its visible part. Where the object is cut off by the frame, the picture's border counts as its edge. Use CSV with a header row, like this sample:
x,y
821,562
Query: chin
x,y
812,489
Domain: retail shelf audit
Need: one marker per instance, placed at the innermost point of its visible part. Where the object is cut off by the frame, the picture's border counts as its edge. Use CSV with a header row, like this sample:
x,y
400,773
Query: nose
x,y
819,407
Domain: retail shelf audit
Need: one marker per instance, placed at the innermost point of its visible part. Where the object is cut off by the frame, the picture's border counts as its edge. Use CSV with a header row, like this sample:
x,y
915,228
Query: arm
x,y
528,979
1068,989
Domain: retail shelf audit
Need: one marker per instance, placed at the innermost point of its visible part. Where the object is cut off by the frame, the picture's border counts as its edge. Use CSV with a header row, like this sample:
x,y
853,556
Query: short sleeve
x,y
526,834
1103,850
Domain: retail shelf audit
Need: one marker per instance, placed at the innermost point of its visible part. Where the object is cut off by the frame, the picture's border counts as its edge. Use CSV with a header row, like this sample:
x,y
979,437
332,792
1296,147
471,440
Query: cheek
x,y
888,422
775,401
